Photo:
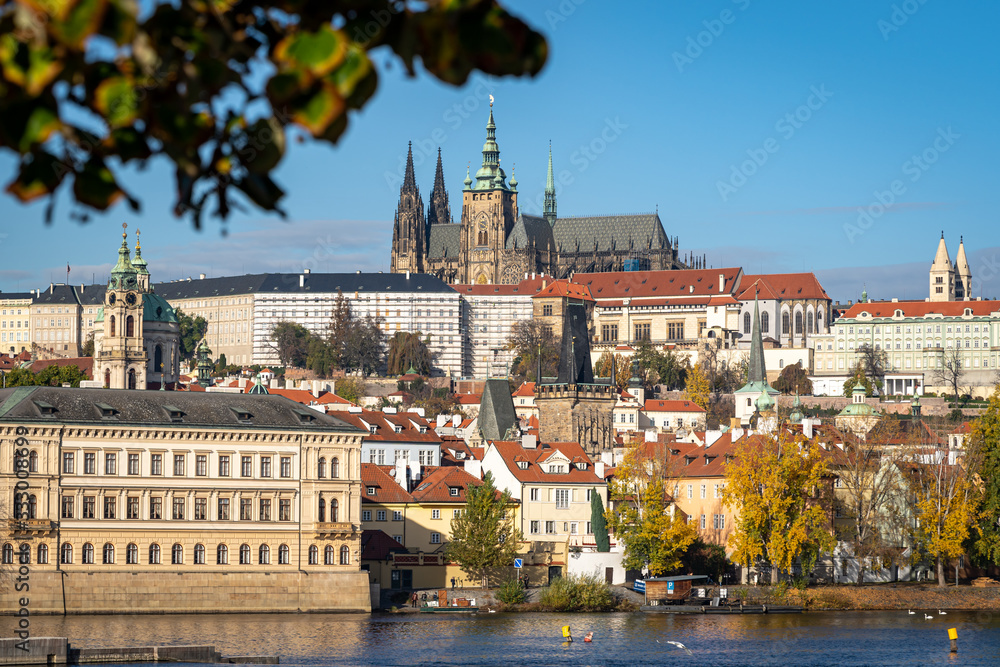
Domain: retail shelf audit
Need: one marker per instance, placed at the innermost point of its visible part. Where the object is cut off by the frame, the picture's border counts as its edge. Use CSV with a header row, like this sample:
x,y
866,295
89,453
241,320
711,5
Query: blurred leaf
x,y
317,111
40,173
266,146
41,124
81,22
318,52
262,191
119,22
116,99
128,144
32,68
95,186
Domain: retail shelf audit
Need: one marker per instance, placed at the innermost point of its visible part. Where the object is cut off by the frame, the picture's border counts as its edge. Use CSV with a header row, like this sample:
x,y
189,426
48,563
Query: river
x,y
815,638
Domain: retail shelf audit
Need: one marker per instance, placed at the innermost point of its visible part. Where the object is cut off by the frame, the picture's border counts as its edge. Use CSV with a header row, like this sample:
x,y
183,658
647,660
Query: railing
x,y
30,526
677,342
335,527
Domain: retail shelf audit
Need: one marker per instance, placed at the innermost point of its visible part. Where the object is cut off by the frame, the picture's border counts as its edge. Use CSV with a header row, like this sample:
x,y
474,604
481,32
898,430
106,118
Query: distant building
x,y
950,282
15,322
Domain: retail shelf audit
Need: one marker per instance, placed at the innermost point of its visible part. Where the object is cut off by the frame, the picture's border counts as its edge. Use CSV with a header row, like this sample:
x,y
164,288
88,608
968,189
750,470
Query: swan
x,y
910,612
942,613
927,617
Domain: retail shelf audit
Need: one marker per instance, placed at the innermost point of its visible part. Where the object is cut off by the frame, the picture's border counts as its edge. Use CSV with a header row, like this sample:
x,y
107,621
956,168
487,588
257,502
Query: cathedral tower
x,y
942,275
489,211
439,211
963,274
549,211
409,232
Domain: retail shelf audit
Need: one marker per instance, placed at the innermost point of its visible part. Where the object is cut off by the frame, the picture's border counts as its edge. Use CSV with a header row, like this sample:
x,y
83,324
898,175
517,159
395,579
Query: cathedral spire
x,y
123,274
549,211
409,180
490,172
755,368
439,211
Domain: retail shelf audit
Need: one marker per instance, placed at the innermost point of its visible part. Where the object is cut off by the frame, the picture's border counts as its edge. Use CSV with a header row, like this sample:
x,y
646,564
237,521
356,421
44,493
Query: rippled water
x,y
817,638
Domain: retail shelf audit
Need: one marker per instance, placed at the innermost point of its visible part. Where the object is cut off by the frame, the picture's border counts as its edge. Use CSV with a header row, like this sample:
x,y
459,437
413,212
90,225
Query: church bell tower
x,y
121,361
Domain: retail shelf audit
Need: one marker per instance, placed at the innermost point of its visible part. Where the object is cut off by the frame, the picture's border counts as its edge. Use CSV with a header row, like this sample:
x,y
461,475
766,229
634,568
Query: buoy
x,y
566,633
953,638
589,637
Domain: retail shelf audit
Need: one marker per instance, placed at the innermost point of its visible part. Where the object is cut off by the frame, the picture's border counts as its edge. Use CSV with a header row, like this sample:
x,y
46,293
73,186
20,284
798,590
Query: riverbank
x,y
874,597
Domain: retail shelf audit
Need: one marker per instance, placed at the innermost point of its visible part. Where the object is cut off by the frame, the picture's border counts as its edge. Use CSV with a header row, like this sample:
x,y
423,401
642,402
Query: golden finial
x,y
137,233
491,101
124,233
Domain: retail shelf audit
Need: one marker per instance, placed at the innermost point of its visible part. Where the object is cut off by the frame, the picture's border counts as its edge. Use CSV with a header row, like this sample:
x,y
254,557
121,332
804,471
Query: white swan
x,y
927,617
910,612
942,613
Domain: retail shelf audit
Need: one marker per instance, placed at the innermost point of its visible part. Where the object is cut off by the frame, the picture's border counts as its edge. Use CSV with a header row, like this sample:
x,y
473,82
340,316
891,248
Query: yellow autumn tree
x,y
622,366
775,484
641,513
946,504
697,388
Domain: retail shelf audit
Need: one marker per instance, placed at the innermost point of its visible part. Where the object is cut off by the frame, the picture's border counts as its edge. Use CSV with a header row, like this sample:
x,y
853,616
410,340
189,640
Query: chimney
x,y
51,287
807,428
407,274
599,469
201,276
474,468
307,270
302,280
529,441
722,282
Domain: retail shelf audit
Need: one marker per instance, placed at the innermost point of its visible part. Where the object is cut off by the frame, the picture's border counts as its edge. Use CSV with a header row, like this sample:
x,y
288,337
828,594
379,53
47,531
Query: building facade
x,y
15,322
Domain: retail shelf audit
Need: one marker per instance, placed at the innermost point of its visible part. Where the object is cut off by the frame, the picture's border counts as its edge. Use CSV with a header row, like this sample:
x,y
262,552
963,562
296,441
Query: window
x,y
66,554
67,507
703,523
397,515
547,310
110,461
265,509
283,553
550,527
641,330
244,554
285,509
366,515
8,554
334,468
110,505
534,495
380,515
609,333
246,466
43,554
328,555
154,554
222,555
246,509
177,555
345,555
765,322
199,554
718,490
265,466
200,509
264,555
573,528
562,499
746,322
156,464
90,463
201,465
286,466
798,323
67,463
675,330
435,538
335,511
534,527
589,531
690,491
87,557
223,466
313,555
178,513
223,509
785,328
131,554
456,513
704,489
88,507
133,464
453,491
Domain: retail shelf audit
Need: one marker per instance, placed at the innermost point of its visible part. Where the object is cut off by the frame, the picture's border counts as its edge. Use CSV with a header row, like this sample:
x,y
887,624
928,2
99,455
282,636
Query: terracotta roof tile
x,y
653,405
508,451
922,308
782,286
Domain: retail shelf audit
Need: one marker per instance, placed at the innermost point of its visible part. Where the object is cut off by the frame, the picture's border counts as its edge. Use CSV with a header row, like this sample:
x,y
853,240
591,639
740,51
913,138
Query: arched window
x,y
132,554
111,333
129,327
809,322
321,468
107,378
108,554
222,555
66,554
154,554
33,461
785,328
322,510
264,555
32,506
819,321
8,554
335,469
334,510
158,359
746,323
328,554
765,322
798,323
283,554
345,555
199,554
244,554
131,378
43,554
313,555
177,555
87,557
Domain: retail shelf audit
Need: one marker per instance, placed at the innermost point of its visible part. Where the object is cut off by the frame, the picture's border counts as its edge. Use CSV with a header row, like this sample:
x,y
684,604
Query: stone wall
x,y
185,592
560,407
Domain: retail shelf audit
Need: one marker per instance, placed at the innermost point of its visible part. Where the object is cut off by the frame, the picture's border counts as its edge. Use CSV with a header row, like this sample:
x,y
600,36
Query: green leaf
x,y
116,99
262,191
30,67
39,174
317,111
82,21
95,186
120,21
41,124
128,144
316,52
265,147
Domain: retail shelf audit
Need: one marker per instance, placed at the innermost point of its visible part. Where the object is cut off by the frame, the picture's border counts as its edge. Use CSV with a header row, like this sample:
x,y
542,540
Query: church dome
x,y
156,309
765,402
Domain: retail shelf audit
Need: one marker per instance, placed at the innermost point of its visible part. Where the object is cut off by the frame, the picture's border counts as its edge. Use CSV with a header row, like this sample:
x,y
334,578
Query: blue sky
x,y
761,131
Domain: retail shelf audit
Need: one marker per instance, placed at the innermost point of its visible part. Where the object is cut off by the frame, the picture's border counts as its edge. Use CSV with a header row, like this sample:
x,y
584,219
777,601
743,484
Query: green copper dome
x,y
796,416
156,309
123,275
765,402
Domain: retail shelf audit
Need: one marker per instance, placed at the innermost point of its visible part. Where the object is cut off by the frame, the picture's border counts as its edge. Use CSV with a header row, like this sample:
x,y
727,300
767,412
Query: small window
x,y
132,554
222,555
154,554
313,555
435,538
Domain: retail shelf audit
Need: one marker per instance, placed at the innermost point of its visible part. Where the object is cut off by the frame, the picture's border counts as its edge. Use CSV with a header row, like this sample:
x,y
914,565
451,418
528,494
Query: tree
x,y
873,362
408,350
642,515
88,345
655,367
983,447
858,377
291,342
597,523
705,558
622,367
50,376
341,322
528,339
159,84
775,485
951,371
364,346
484,537
698,389
350,389
945,510
794,379
192,330
319,356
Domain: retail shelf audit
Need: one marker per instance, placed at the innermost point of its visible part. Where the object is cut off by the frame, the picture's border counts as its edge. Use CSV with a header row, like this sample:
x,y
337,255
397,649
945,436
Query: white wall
x,y
593,562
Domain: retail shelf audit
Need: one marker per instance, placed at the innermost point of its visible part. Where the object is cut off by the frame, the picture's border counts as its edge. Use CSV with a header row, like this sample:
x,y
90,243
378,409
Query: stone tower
x,y
549,210
489,211
439,211
409,231
747,397
963,274
942,275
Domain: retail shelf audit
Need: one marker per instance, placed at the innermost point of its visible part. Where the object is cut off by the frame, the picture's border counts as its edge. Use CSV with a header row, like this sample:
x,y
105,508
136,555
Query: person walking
x,y
413,599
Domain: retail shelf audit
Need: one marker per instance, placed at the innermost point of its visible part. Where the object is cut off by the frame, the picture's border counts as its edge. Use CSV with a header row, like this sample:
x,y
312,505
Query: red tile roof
x,y
566,288
782,286
660,284
922,308
437,483
509,451
386,489
526,389
85,364
672,406
469,399
408,423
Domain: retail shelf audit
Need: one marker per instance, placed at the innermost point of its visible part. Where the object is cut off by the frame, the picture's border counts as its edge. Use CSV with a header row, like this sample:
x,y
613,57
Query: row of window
x,y
570,527
718,521
397,515
88,508
765,322
561,497
177,554
133,465
718,488
377,456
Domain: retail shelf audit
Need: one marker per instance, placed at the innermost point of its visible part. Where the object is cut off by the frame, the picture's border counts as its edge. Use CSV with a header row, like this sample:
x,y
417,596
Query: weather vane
x,y
491,101
124,227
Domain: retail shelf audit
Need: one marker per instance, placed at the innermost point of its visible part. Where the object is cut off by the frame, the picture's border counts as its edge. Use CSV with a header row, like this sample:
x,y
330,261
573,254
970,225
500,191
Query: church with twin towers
x,y
495,243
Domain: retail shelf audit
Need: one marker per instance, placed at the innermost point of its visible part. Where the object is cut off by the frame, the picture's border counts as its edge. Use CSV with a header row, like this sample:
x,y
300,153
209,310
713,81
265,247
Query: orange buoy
x,y
589,637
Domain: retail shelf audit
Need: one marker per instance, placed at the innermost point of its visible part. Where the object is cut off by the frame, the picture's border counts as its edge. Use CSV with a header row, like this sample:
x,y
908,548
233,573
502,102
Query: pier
x,y
58,651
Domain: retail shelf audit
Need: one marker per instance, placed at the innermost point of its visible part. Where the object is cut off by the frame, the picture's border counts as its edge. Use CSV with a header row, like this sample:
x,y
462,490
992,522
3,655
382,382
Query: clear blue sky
x,y
641,116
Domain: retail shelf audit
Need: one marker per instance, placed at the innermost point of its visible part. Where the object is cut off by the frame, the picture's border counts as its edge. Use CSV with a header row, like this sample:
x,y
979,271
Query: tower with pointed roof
x,y
747,397
950,282
963,274
409,231
439,211
549,210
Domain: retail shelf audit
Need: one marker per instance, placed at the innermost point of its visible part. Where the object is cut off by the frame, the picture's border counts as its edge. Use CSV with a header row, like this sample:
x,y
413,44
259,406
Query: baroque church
x,y
494,243
137,336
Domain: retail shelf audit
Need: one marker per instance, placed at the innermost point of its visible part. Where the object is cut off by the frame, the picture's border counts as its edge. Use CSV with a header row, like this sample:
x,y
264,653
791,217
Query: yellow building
x,y
15,322
140,501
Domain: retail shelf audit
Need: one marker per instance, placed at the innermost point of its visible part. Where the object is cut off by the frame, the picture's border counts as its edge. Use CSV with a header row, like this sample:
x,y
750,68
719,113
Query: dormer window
x,y
242,415
453,490
47,409
523,465
397,428
373,428
581,466
370,490
305,416
175,413
107,411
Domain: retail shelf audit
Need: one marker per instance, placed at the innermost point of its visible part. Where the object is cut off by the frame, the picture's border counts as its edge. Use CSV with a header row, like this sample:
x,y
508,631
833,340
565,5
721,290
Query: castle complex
x,y
494,243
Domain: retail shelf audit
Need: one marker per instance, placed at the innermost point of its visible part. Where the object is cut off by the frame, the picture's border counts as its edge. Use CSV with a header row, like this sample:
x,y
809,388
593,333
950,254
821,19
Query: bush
x,y
577,593
511,592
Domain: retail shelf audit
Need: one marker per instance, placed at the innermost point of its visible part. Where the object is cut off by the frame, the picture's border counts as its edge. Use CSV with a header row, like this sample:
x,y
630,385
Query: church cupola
x,y
142,272
124,274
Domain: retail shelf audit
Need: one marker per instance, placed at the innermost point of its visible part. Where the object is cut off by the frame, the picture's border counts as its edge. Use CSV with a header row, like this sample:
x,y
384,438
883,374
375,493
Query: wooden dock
x,y
726,609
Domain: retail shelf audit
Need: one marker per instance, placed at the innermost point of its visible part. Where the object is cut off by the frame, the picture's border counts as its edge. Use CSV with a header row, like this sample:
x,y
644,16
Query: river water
x,y
815,638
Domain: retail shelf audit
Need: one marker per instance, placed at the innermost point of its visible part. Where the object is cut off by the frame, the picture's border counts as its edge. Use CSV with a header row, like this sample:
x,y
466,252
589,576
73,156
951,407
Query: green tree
x,y
351,389
291,342
598,525
705,558
50,376
858,377
20,377
622,367
153,81
319,356
484,536
984,456
794,379
88,346
192,330
656,367
408,350
341,323
365,346
697,388
221,363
